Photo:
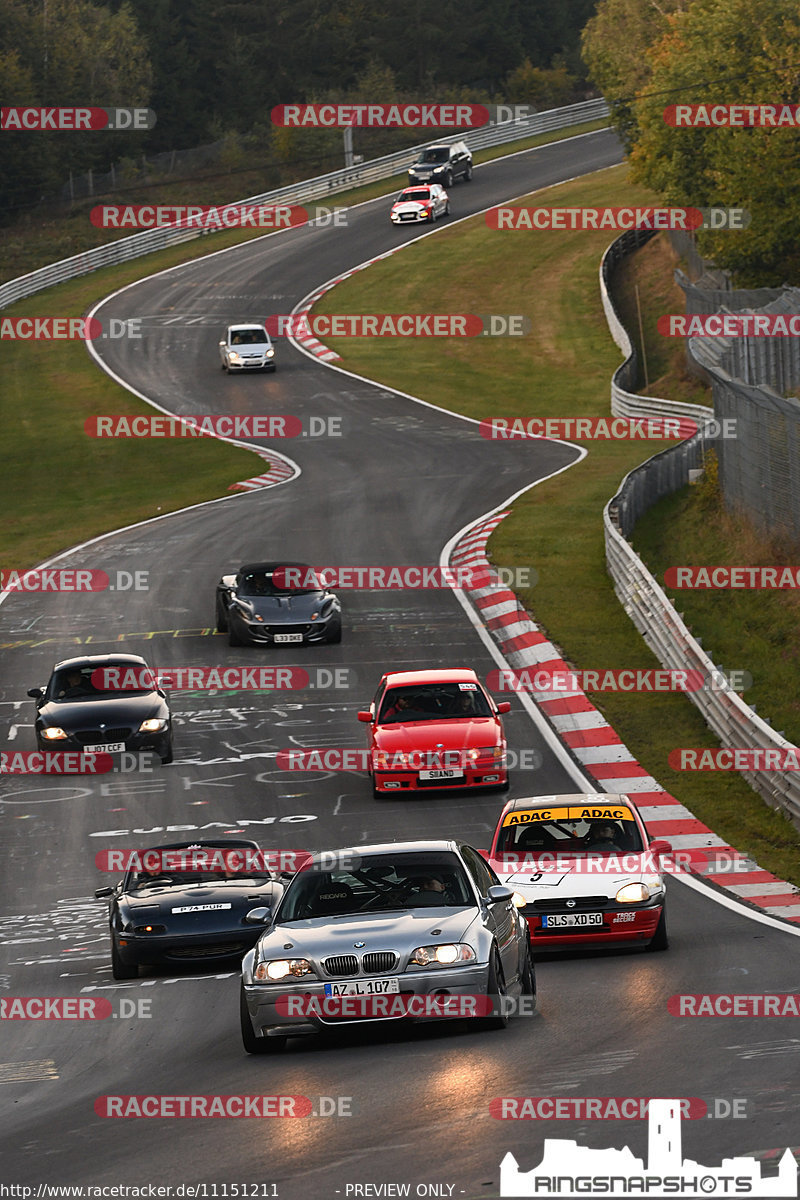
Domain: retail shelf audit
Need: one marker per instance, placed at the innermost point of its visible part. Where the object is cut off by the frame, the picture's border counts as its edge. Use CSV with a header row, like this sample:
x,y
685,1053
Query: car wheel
x,y
528,979
119,969
224,365
468,173
447,209
221,620
496,991
253,1044
335,636
166,759
660,939
448,181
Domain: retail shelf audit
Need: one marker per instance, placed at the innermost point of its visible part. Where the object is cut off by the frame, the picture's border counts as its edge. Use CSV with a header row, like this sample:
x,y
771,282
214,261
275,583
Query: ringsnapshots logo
x,y
568,1169
76,119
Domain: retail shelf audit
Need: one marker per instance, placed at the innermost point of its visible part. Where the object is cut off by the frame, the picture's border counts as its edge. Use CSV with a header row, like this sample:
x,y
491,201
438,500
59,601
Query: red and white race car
x,y
435,729
585,870
425,202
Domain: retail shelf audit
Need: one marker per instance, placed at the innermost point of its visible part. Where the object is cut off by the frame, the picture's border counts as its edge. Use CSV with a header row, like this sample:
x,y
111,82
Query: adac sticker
x,y
587,812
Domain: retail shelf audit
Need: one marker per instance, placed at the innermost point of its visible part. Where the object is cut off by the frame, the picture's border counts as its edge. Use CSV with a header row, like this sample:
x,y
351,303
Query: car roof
x,y
567,800
416,847
272,566
248,325
87,660
445,675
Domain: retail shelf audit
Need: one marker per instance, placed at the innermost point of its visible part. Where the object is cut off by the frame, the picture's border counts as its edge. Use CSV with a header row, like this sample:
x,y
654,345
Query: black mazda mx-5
x,y
103,703
277,603
186,903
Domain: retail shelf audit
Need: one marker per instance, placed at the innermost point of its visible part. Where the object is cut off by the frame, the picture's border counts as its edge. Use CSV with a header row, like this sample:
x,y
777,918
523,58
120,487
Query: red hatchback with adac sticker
x,y
584,870
435,730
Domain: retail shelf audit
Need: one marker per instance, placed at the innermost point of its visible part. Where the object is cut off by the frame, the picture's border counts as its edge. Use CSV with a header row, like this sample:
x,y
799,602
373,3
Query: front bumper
x,y
135,743
261,363
392,782
150,950
263,632
409,218
269,1022
622,926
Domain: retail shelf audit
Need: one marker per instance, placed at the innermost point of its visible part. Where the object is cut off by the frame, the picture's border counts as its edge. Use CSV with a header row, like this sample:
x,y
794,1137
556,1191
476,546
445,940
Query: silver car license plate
x,y
364,987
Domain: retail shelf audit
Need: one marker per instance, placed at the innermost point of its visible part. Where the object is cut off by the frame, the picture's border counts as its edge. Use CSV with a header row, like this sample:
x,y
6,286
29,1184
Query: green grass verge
x,y
562,369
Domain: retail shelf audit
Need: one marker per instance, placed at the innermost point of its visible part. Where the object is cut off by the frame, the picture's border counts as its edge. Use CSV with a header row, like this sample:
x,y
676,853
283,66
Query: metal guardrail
x,y
151,240
652,612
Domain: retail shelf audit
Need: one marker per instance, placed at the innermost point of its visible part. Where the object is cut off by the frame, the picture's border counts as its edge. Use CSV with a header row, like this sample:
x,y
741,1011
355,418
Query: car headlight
x,y
234,357
270,353
518,900
491,754
633,893
153,725
381,760
280,968
54,733
442,956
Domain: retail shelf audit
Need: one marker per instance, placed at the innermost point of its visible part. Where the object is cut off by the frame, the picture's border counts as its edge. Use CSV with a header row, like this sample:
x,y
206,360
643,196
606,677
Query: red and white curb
x,y
599,750
308,342
280,470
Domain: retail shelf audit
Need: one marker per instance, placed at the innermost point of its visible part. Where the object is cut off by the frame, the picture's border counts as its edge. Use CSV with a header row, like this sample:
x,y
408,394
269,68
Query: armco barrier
x,y
322,187
653,614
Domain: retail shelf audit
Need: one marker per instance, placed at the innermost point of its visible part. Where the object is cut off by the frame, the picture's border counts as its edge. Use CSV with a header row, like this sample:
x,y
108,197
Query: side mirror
x,y
36,693
103,893
498,894
258,916
223,343
504,706
365,716
660,847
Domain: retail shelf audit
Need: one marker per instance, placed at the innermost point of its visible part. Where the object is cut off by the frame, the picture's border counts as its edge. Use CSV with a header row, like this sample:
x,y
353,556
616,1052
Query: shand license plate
x,y
442,773
560,921
364,987
287,637
105,748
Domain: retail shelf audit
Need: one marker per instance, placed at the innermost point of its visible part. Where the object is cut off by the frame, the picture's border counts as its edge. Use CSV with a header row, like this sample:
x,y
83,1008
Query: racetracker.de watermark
x,y
54,762
403,578
735,758
587,428
73,579
605,1108
727,1004
68,329
76,119
71,1008
234,861
506,217
229,679
724,578
730,325
400,325
618,679
337,758
203,1106
219,425
732,116
419,1006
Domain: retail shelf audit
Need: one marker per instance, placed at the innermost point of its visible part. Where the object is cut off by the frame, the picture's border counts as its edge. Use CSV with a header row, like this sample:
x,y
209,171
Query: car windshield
x,y
140,881
248,337
415,194
99,681
595,834
433,702
291,580
380,883
437,155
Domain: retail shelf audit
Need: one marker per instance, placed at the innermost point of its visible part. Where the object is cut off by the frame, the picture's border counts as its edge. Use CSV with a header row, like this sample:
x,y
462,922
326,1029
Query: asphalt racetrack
x,y
408,1105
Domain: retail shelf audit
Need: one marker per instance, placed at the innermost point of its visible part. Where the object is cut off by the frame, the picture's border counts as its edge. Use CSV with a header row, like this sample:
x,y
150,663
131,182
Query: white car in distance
x,y
247,348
